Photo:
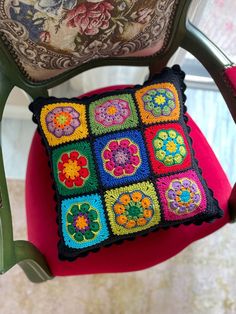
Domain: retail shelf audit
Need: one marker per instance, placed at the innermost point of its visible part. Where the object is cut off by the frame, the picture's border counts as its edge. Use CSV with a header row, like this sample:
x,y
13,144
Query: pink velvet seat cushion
x,y
131,255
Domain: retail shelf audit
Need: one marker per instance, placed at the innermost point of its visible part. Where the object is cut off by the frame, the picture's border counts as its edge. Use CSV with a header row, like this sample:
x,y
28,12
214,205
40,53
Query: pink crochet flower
x,y
121,157
112,112
89,18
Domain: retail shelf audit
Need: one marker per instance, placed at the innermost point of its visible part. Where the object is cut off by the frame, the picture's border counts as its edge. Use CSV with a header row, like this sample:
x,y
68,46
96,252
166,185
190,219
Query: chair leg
x,y
34,272
32,262
19,252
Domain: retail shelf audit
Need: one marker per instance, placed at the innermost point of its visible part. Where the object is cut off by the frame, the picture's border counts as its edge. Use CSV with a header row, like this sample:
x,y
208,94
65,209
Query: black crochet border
x,y
172,75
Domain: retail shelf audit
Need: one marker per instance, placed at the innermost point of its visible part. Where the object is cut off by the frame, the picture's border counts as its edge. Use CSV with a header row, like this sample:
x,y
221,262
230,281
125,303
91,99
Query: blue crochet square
x,y
83,221
121,158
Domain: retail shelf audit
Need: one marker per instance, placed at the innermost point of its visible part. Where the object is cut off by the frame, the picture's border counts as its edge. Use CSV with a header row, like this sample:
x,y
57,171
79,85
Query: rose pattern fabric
x,y
90,18
45,37
62,121
112,112
60,34
142,16
53,7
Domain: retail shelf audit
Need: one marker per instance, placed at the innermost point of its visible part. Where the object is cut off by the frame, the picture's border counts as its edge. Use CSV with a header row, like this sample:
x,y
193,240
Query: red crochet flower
x,y
89,18
73,169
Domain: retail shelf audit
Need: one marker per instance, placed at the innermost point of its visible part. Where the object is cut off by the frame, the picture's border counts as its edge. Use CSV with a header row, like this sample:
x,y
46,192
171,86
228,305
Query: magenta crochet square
x,y
182,195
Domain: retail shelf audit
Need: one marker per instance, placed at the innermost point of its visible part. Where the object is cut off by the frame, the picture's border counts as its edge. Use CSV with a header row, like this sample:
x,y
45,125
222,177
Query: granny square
x,y
63,122
122,164
74,169
113,113
158,103
121,158
83,221
182,195
168,148
133,208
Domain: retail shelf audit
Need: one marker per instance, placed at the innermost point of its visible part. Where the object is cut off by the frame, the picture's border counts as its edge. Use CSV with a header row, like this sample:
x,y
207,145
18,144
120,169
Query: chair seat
x,y
131,255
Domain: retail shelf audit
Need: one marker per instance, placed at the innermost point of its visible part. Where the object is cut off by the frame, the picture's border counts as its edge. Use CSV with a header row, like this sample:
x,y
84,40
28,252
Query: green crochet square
x,y
113,113
74,169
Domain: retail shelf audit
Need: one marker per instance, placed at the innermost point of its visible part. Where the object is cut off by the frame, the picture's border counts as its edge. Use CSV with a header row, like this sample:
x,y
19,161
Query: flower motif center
x,y
82,222
71,169
185,196
160,100
112,110
171,147
133,211
121,156
62,119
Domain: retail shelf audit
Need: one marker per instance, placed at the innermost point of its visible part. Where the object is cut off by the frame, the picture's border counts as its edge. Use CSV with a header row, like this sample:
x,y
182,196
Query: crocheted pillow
x,y
122,164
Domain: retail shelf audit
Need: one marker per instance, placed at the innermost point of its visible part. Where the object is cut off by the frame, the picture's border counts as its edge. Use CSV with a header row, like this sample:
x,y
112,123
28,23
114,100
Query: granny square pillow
x,y
122,164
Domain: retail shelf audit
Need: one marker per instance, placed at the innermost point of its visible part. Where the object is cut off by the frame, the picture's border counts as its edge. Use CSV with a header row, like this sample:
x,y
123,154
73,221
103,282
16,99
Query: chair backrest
x,y
47,38
44,43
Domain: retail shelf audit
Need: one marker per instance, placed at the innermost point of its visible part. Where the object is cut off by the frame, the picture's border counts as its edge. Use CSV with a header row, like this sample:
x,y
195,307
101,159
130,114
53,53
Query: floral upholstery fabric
x,y
48,37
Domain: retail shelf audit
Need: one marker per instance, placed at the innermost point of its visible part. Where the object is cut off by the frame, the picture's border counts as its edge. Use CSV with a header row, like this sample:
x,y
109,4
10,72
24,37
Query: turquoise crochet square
x,y
83,221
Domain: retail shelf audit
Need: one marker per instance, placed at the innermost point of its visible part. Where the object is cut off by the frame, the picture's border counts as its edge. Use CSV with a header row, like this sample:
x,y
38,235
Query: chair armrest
x,y
214,60
222,70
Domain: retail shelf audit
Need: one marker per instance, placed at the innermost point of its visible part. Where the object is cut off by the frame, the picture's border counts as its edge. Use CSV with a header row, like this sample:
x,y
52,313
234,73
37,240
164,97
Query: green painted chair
x,y
45,43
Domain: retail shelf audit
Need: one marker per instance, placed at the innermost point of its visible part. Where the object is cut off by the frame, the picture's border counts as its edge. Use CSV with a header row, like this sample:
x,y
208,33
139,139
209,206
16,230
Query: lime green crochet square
x,y
113,113
133,208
